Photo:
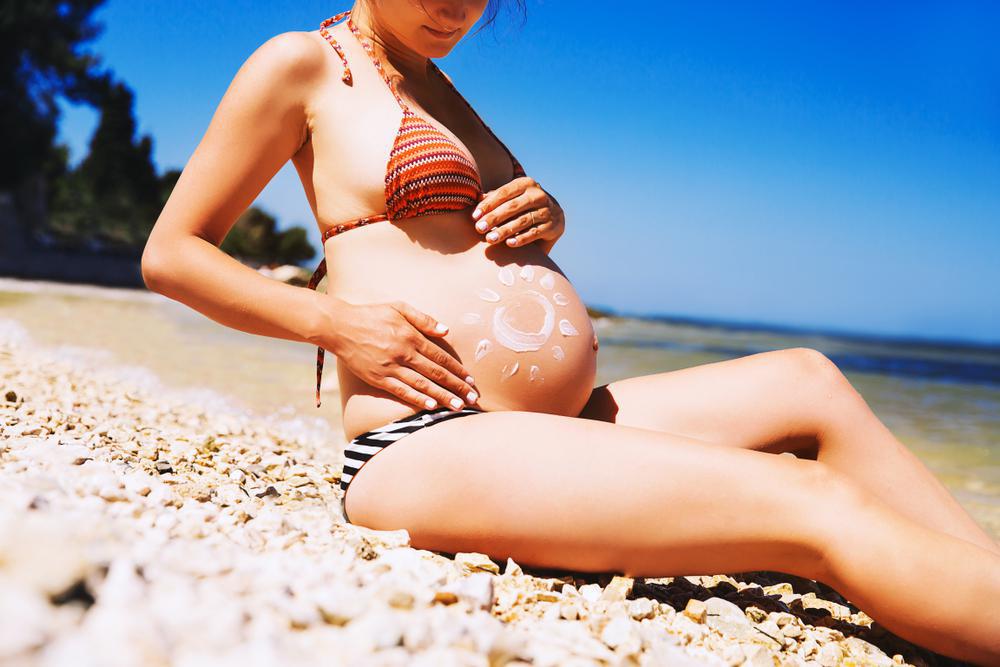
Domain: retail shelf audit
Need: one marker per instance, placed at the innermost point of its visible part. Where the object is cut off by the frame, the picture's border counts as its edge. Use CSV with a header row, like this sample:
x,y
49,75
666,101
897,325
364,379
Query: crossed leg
x,y
794,400
571,493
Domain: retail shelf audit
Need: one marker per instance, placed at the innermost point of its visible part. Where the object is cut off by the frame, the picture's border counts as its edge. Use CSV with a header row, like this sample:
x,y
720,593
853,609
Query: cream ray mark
x,y
558,353
506,276
560,298
566,328
522,341
547,281
527,273
483,348
486,294
534,374
508,370
472,318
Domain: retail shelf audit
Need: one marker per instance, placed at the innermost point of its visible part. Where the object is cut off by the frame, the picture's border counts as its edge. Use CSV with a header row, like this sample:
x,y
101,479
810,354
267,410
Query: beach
x,y
168,496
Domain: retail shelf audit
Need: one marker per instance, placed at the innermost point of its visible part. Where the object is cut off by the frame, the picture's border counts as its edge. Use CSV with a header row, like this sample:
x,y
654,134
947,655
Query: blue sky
x,y
824,164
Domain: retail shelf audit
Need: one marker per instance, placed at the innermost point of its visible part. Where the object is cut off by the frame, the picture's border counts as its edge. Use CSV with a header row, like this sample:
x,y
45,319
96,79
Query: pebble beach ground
x,y
144,524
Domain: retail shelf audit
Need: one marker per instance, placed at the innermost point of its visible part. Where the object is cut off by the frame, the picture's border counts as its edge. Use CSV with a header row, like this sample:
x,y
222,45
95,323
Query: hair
x,y
491,14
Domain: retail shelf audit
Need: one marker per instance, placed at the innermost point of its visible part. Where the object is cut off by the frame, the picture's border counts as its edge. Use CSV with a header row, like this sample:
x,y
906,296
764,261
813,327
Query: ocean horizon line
x,y
850,335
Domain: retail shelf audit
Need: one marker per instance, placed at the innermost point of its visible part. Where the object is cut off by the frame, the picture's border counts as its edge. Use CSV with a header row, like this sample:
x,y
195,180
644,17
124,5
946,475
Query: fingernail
x,y
476,214
456,403
481,225
430,403
492,236
470,379
441,327
472,396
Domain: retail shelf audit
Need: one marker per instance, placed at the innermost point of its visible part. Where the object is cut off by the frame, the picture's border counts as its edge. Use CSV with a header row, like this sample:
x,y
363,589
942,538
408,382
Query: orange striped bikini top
x,y
426,172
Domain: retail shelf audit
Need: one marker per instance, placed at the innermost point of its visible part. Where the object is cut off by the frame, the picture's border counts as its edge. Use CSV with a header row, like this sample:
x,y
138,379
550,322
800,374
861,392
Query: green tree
x,y
39,40
114,195
254,240
167,182
293,247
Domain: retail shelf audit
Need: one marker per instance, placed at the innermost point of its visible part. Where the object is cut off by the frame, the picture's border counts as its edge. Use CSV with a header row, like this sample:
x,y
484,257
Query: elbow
x,y
152,268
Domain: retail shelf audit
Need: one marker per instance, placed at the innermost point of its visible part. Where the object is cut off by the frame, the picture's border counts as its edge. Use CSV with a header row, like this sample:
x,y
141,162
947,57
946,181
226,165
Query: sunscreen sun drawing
x,y
526,304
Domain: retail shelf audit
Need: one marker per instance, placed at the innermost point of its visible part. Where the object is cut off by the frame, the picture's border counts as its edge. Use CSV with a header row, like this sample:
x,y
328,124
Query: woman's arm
x,y
261,122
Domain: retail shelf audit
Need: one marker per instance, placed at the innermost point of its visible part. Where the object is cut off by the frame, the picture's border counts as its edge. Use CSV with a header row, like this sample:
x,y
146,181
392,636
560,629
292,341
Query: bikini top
x,y
426,172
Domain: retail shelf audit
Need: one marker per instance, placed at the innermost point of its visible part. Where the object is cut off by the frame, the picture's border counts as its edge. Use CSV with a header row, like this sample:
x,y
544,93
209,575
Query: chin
x,y
436,51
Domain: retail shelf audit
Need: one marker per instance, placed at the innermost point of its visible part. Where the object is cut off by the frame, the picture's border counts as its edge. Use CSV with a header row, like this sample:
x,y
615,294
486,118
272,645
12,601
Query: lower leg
x,y
934,590
855,442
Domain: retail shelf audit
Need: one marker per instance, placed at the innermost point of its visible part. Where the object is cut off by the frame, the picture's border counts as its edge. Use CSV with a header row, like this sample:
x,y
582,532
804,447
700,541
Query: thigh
x,y
556,491
771,401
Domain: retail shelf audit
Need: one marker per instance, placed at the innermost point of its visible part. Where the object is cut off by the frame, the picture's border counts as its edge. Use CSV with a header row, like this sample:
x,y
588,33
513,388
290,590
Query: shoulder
x,y
282,75
294,54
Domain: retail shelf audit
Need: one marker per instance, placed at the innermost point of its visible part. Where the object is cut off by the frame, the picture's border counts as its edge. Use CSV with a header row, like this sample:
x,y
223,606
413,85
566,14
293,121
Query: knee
x,y
819,371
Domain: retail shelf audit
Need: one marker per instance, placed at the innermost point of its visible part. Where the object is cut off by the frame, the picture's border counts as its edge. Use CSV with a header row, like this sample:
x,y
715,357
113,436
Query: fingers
x,y
505,210
422,321
418,380
415,387
405,392
430,371
506,191
532,233
524,228
462,378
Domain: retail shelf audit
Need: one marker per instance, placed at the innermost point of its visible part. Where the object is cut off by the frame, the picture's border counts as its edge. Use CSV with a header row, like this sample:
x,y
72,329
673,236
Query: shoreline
x,y
145,523
32,286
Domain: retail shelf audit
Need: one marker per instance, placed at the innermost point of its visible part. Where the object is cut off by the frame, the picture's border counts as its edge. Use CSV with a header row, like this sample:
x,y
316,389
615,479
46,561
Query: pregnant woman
x,y
466,360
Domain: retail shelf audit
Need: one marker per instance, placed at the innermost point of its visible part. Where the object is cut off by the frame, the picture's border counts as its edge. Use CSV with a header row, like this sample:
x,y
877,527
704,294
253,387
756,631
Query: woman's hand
x,y
386,345
518,213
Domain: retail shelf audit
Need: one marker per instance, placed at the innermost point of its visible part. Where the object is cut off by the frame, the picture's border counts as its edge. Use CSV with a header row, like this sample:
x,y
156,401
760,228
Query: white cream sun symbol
x,y
511,336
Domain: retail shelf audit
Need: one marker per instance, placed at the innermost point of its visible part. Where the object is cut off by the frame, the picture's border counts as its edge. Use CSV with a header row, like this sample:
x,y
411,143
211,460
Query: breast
x,y
426,173
515,320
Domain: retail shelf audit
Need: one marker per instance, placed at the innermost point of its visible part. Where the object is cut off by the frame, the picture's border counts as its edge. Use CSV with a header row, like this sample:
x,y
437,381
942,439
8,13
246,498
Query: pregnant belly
x,y
515,323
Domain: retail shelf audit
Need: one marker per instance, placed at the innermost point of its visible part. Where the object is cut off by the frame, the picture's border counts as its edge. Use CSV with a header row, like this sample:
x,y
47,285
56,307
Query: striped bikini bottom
x,y
361,449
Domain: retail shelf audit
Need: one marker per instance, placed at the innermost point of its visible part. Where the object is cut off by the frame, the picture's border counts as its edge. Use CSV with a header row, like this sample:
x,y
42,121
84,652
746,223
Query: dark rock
x,y
38,503
76,592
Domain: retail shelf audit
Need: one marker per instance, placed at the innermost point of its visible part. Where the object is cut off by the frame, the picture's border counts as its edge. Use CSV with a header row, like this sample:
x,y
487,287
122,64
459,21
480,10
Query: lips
x,y
438,33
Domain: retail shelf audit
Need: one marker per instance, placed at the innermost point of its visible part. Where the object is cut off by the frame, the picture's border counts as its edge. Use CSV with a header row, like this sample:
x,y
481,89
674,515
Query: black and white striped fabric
x,y
362,448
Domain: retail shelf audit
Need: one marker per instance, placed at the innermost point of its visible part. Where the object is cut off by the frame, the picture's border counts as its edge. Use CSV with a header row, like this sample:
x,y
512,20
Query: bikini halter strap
x,y
347,78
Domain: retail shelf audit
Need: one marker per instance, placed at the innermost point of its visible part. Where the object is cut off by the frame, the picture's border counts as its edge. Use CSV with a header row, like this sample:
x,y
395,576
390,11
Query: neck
x,y
409,63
